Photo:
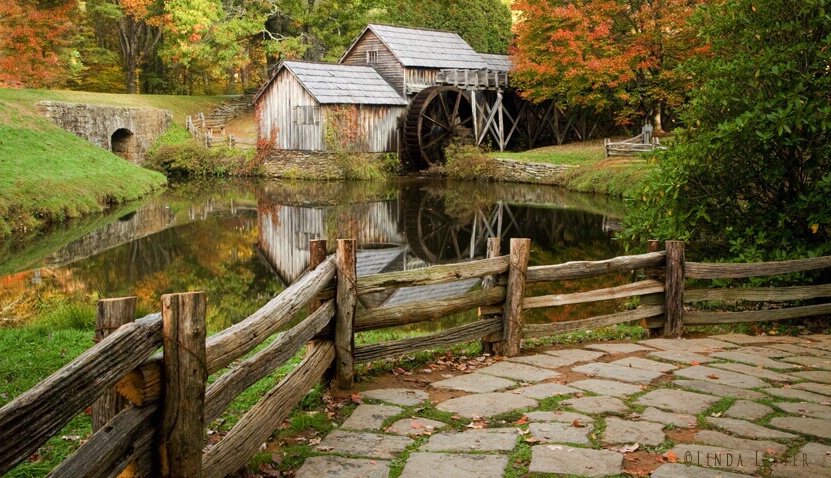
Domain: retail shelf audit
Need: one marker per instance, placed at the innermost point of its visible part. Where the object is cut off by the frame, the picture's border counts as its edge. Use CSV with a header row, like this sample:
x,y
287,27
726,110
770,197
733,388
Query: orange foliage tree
x,y
35,43
605,56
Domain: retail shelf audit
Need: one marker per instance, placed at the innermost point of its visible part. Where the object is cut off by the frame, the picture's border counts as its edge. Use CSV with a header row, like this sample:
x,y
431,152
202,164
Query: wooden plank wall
x,y
278,103
417,78
387,65
379,123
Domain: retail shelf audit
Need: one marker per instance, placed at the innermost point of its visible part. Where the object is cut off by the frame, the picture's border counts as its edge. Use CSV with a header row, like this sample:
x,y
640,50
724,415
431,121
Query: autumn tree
x,y
617,56
750,177
36,43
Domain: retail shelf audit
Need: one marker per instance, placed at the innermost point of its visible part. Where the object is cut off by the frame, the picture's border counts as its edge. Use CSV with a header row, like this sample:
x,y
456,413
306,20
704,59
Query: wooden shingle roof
x,y
341,84
419,47
497,62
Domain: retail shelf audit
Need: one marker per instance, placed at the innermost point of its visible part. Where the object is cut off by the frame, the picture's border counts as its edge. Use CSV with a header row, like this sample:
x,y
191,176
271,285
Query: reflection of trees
x,y
215,255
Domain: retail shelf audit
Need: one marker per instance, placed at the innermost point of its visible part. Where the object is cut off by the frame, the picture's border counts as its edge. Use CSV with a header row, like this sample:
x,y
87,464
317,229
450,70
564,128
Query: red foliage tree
x,y
605,55
34,44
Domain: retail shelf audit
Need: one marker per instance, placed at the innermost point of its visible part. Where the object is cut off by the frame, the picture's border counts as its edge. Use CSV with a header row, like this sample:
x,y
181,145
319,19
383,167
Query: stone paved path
x,y
728,406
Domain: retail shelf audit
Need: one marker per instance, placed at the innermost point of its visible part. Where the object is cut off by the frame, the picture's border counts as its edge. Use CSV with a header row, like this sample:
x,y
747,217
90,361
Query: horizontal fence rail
x,y
150,411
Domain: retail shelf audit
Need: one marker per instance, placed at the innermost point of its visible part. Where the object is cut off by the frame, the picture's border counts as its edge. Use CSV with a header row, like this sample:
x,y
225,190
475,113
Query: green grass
x,y
50,175
180,106
591,171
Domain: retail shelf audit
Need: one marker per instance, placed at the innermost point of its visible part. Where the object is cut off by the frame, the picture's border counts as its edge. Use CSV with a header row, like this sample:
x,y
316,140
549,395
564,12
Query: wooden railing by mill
x,y
150,411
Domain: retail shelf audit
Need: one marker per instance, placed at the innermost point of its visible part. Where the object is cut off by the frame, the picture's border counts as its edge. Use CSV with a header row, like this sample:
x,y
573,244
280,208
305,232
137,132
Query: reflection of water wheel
x,y
436,115
433,236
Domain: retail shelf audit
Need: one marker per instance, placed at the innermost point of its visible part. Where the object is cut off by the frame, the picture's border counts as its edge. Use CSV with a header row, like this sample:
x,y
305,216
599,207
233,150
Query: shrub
x,y
467,162
191,159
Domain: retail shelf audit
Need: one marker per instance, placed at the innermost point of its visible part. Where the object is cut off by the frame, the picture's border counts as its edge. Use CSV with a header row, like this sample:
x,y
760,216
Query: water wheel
x,y
433,235
436,115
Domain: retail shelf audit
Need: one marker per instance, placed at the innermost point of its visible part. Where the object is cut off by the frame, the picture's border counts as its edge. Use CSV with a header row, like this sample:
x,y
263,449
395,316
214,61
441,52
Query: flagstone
x,y
753,359
475,383
806,409
564,460
714,438
681,357
813,362
594,405
680,420
755,372
678,401
557,432
607,387
406,397
796,394
488,439
486,404
518,371
748,410
545,390
455,465
721,377
807,426
543,360
576,355
678,470
415,426
370,417
705,345
711,457
747,429
319,466
718,389
822,388
558,416
370,445
618,348
645,364
616,372
814,375
626,431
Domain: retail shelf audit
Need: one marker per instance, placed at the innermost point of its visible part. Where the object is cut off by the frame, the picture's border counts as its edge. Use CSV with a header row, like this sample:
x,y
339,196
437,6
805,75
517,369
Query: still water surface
x,y
243,242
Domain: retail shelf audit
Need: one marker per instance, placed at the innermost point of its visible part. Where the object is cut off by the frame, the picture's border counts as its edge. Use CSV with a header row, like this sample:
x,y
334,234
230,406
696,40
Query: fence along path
x,y
150,411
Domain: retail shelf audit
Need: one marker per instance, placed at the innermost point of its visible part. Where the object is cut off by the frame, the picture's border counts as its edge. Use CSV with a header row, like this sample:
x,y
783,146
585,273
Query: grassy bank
x,y
50,175
591,171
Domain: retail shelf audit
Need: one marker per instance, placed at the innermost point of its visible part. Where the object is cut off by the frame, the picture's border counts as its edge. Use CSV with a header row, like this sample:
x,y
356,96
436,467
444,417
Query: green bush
x,y
365,166
750,177
468,163
189,159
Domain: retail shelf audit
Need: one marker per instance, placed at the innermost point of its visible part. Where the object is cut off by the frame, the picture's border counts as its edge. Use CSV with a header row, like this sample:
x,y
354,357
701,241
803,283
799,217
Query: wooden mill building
x,y
414,90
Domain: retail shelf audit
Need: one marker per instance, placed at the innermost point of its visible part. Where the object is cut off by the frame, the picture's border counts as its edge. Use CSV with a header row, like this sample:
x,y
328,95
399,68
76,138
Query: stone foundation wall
x,y
527,172
321,165
98,123
295,164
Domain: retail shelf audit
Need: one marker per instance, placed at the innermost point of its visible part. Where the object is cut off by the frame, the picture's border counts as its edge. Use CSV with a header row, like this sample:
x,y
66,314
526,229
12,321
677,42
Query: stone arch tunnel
x,y
127,132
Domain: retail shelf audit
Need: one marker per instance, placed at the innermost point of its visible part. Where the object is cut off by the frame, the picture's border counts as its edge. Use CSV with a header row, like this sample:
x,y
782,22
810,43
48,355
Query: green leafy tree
x,y
751,174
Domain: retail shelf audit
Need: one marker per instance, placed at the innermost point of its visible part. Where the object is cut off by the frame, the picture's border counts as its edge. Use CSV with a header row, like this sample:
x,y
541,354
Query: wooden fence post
x,y
317,254
674,325
111,314
512,329
494,244
346,301
184,375
652,246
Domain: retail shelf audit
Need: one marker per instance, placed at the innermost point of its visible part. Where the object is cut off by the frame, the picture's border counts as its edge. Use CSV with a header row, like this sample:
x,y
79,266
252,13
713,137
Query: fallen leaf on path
x,y
672,457
532,440
713,376
522,421
577,424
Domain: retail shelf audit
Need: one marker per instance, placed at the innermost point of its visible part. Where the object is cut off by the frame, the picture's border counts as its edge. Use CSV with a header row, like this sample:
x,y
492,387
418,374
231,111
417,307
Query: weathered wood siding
x,y
418,78
387,65
278,104
378,122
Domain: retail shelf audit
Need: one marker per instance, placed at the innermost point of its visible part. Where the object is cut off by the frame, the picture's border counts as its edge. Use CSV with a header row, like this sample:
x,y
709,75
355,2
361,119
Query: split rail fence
x,y
150,410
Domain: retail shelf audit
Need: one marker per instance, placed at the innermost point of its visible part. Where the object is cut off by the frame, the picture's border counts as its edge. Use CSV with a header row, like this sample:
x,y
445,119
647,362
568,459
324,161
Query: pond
x,y
244,241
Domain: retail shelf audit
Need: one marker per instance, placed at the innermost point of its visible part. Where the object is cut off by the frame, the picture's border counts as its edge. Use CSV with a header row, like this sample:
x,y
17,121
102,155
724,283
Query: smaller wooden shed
x,y
299,99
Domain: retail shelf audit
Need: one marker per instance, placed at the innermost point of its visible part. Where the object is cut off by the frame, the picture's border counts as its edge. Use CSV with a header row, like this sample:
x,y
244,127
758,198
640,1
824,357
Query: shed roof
x,y
419,47
497,62
341,84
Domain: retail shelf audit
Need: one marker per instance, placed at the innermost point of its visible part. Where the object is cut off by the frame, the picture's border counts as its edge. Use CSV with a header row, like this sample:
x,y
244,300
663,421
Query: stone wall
x,y
296,164
128,132
528,172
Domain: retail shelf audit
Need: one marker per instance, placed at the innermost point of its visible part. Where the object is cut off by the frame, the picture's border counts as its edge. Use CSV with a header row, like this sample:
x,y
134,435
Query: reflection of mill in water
x,y
413,231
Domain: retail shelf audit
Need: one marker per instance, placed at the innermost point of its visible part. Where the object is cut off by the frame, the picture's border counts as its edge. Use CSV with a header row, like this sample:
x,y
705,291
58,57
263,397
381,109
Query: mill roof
x,y
419,47
340,84
497,62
